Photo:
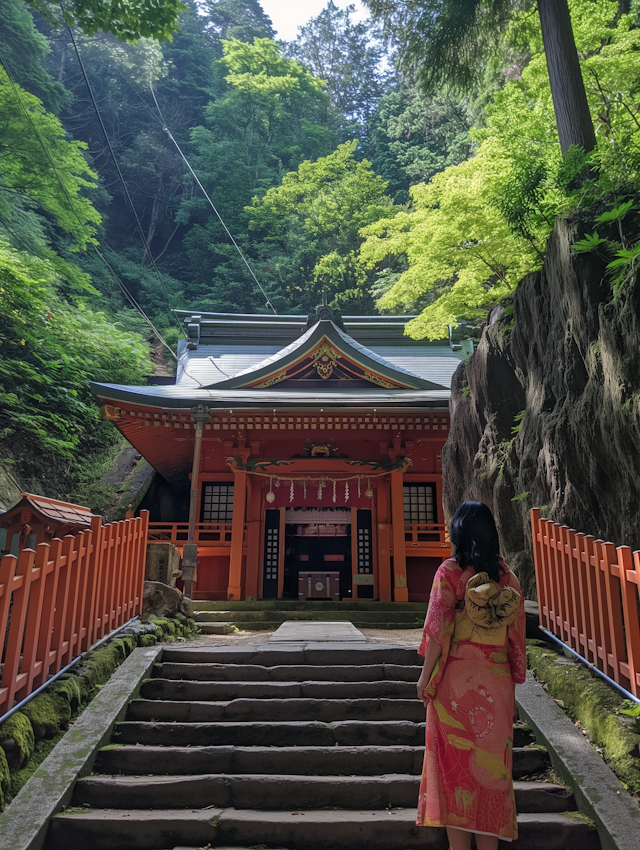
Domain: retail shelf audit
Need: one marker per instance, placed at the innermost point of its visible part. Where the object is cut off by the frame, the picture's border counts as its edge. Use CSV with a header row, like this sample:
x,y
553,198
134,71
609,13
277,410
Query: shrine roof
x,y
179,396
232,359
62,513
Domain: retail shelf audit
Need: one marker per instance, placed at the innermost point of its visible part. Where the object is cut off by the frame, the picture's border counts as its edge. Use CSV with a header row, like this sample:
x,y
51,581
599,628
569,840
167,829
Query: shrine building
x,y
316,445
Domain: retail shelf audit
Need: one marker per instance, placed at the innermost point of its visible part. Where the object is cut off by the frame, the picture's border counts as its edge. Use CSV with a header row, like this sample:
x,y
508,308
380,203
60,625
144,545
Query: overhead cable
x,y
143,237
212,205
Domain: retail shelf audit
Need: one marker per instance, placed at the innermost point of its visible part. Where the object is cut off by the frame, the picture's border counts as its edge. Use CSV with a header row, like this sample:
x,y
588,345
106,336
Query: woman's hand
x,y
433,653
423,681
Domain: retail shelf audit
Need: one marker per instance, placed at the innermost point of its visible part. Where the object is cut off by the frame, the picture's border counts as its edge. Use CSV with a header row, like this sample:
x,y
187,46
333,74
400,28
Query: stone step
x,y
307,605
325,710
267,792
273,624
288,760
171,689
395,829
413,619
322,655
289,672
347,733
217,628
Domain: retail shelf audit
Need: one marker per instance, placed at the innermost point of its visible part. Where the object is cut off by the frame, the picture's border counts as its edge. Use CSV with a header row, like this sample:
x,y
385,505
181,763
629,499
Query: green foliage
x,y
50,349
347,56
309,226
517,422
447,41
595,705
26,169
458,246
24,49
413,136
129,20
470,234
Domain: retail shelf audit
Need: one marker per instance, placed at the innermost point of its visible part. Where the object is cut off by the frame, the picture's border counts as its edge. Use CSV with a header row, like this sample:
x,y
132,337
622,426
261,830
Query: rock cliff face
x,y
546,413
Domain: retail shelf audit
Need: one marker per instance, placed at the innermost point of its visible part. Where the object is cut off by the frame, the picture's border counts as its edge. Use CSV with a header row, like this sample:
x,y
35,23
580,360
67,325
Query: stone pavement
x,y
305,631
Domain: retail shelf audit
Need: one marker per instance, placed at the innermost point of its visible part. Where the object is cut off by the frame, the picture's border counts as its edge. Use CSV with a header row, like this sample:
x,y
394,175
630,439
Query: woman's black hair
x,y
475,536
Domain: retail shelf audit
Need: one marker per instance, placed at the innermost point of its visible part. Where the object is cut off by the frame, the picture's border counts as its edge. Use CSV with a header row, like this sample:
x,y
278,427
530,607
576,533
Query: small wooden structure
x,y
37,519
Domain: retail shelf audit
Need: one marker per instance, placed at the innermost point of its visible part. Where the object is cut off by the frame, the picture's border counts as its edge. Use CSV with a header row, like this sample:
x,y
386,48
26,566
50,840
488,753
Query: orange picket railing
x,y
589,598
57,601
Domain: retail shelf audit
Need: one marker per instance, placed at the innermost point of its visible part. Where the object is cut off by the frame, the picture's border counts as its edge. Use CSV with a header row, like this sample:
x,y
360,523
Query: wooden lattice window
x,y
419,503
217,503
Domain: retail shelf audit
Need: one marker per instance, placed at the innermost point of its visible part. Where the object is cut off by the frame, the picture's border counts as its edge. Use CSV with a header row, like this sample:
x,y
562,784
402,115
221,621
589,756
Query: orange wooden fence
x,y
589,598
57,601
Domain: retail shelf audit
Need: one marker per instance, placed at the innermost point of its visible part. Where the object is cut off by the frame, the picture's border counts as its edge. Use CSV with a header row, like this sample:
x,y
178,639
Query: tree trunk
x,y
573,118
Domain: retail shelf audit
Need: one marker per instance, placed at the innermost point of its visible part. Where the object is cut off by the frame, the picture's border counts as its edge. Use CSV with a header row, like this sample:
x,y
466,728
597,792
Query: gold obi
x,y
488,610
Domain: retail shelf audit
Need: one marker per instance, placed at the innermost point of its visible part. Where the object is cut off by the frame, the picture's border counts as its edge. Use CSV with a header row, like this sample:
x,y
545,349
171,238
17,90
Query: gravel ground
x,y
403,637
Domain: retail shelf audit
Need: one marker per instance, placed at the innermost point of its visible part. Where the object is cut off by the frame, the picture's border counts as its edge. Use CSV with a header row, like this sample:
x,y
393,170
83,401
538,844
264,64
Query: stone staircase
x,y
305,747
263,615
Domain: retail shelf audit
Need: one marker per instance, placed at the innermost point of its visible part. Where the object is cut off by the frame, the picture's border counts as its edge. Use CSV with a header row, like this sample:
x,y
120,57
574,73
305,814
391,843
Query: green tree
x,y
28,171
446,40
413,136
50,349
268,120
128,20
24,50
347,56
307,229
474,230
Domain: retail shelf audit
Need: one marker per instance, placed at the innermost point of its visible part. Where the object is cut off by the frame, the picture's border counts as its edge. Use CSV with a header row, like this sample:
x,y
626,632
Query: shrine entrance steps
x,y
307,747
269,614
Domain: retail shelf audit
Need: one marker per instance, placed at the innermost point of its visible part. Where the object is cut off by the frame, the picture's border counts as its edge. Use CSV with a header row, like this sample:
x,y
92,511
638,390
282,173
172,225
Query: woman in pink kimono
x,y
474,653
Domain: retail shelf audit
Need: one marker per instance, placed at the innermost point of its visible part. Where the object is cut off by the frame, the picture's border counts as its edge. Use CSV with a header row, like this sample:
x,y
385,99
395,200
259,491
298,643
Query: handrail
x,y
588,598
425,534
206,533
56,601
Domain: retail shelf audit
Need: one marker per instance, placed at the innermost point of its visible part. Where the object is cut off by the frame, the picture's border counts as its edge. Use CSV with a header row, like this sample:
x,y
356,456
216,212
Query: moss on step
x,y
29,735
5,777
17,740
594,705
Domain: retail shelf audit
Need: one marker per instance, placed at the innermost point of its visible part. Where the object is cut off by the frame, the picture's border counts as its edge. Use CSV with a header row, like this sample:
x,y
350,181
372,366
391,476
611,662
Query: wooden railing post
x,y
138,577
630,588
21,587
8,567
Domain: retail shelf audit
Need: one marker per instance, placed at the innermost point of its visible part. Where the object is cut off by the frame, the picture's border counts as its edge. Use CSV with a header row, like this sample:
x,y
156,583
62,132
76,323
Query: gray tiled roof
x,y
210,364
181,396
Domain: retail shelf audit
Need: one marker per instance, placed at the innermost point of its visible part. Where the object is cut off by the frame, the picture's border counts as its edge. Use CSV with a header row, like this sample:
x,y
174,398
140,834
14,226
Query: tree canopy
x,y
333,165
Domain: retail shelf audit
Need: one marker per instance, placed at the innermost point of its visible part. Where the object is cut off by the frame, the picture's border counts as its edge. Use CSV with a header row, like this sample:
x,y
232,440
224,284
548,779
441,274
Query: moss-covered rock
x,y
5,777
594,704
148,640
44,714
17,740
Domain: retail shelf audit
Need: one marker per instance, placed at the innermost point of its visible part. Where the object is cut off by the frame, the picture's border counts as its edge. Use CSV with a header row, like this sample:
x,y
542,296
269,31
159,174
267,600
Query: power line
x,y
124,184
213,207
67,194
162,123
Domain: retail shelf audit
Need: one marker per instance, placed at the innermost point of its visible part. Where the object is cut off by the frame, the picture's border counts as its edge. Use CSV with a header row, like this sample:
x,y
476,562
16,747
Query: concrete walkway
x,y
305,631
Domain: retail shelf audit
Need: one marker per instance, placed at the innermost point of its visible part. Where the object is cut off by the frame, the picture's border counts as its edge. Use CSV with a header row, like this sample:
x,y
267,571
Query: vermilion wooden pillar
x,y
384,541
401,591
254,537
234,591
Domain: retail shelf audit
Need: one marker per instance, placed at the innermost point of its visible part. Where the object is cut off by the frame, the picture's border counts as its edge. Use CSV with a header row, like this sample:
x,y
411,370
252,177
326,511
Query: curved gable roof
x,y
374,368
